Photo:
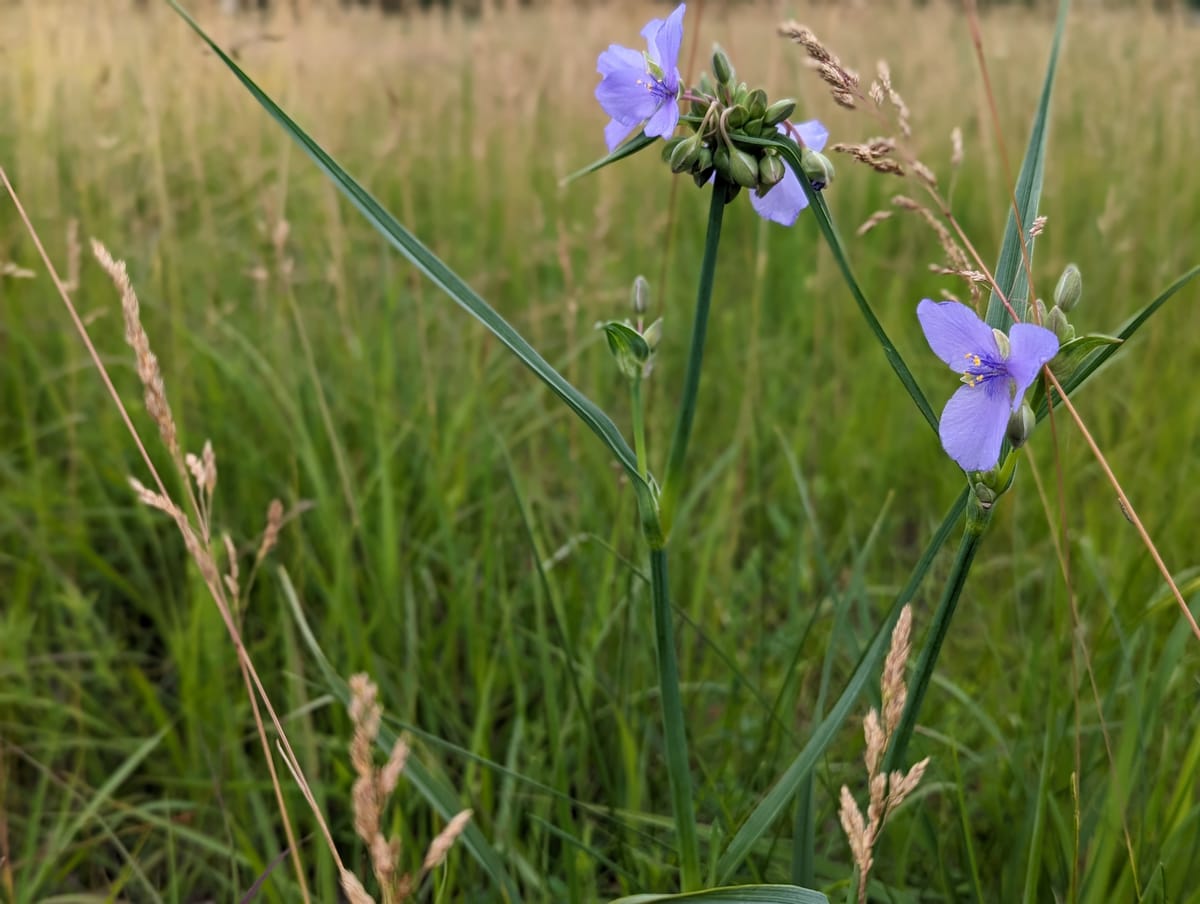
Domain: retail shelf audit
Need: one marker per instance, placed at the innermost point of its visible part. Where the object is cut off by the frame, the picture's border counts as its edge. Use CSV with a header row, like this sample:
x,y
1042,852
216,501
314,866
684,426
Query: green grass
x,y
445,475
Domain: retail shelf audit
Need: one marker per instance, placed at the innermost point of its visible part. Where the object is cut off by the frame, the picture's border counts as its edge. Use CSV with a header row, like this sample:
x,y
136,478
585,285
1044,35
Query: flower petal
x,y
626,96
1032,346
783,203
666,41
616,132
664,120
973,424
619,57
954,332
813,133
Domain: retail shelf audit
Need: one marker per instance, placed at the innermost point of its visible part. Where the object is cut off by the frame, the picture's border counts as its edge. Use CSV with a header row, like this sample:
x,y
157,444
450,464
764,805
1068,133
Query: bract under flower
x,y
995,381
783,203
643,86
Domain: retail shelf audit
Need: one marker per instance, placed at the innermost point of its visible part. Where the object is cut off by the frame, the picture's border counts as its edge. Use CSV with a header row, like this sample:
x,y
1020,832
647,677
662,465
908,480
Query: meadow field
x,y
453,533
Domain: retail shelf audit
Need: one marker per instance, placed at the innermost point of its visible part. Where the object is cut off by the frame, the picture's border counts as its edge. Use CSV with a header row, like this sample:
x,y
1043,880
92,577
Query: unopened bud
x,y
1069,289
722,68
706,86
771,171
1002,343
779,111
653,334
737,116
721,162
1056,321
817,168
640,296
685,154
743,168
756,103
1040,307
669,147
1020,425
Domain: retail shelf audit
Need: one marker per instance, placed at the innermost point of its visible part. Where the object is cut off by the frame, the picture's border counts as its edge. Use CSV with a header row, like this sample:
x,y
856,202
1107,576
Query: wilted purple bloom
x,y
783,203
643,86
976,417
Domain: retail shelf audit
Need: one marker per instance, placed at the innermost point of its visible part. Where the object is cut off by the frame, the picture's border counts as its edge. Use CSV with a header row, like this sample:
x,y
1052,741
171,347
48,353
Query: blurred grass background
x,y
130,766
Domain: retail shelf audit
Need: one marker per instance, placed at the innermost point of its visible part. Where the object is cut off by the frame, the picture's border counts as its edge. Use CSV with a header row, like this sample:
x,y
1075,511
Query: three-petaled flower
x,y
783,203
996,371
643,86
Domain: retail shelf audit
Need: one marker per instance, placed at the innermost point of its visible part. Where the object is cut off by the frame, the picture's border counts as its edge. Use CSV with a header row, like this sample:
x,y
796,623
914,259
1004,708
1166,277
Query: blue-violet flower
x,y
643,86
996,370
783,203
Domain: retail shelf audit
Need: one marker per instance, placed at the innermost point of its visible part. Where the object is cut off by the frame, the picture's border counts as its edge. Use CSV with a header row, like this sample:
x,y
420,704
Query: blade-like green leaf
x,y
1011,275
638,142
820,210
440,796
1070,358
738,894
1135,323
437,271
769,808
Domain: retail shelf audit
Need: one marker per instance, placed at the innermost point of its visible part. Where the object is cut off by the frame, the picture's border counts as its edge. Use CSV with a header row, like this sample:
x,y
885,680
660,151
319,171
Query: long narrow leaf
x,y
1135,323
738,894
769,808
791,154
1011,275
638,142
433,267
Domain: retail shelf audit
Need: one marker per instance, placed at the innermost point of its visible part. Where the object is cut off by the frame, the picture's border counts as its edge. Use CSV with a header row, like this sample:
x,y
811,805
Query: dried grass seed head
x,y
148,369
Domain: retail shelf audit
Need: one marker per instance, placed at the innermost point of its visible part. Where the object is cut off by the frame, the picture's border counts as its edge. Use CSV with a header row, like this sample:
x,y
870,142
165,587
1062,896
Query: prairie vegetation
x,y
459,539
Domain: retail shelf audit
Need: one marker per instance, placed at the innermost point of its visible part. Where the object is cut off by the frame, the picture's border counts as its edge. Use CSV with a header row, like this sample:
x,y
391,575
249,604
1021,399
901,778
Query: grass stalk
x,y
691,380
678,765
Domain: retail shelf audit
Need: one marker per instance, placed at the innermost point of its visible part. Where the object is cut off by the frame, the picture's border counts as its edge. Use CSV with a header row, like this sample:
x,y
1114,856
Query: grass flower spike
x,y
643,86
783,202
996,371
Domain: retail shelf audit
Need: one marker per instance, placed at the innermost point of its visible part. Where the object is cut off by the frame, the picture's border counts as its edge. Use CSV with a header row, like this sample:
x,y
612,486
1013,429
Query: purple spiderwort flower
x,y
783,203
643,86
996,370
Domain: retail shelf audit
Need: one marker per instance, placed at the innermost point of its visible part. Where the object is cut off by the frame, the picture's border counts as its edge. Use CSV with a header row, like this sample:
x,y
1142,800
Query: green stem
x,y
678,766
977,519
639,426
691,383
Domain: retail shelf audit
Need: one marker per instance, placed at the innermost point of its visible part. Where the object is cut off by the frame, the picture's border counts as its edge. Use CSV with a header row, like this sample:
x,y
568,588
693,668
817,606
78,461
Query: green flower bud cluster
x,y
1066,296
721,113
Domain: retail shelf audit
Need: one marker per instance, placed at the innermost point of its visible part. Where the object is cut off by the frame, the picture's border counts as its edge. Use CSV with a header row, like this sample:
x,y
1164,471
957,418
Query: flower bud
x,y
685,154
721,162
669,147
653,334
1020,425
779,111
771,171
743,168
754,128
742,94
722,68
1040,307
640,295
1069,289
756,103
1056,321
704,160
1002,343
736,117
706,86
817,168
